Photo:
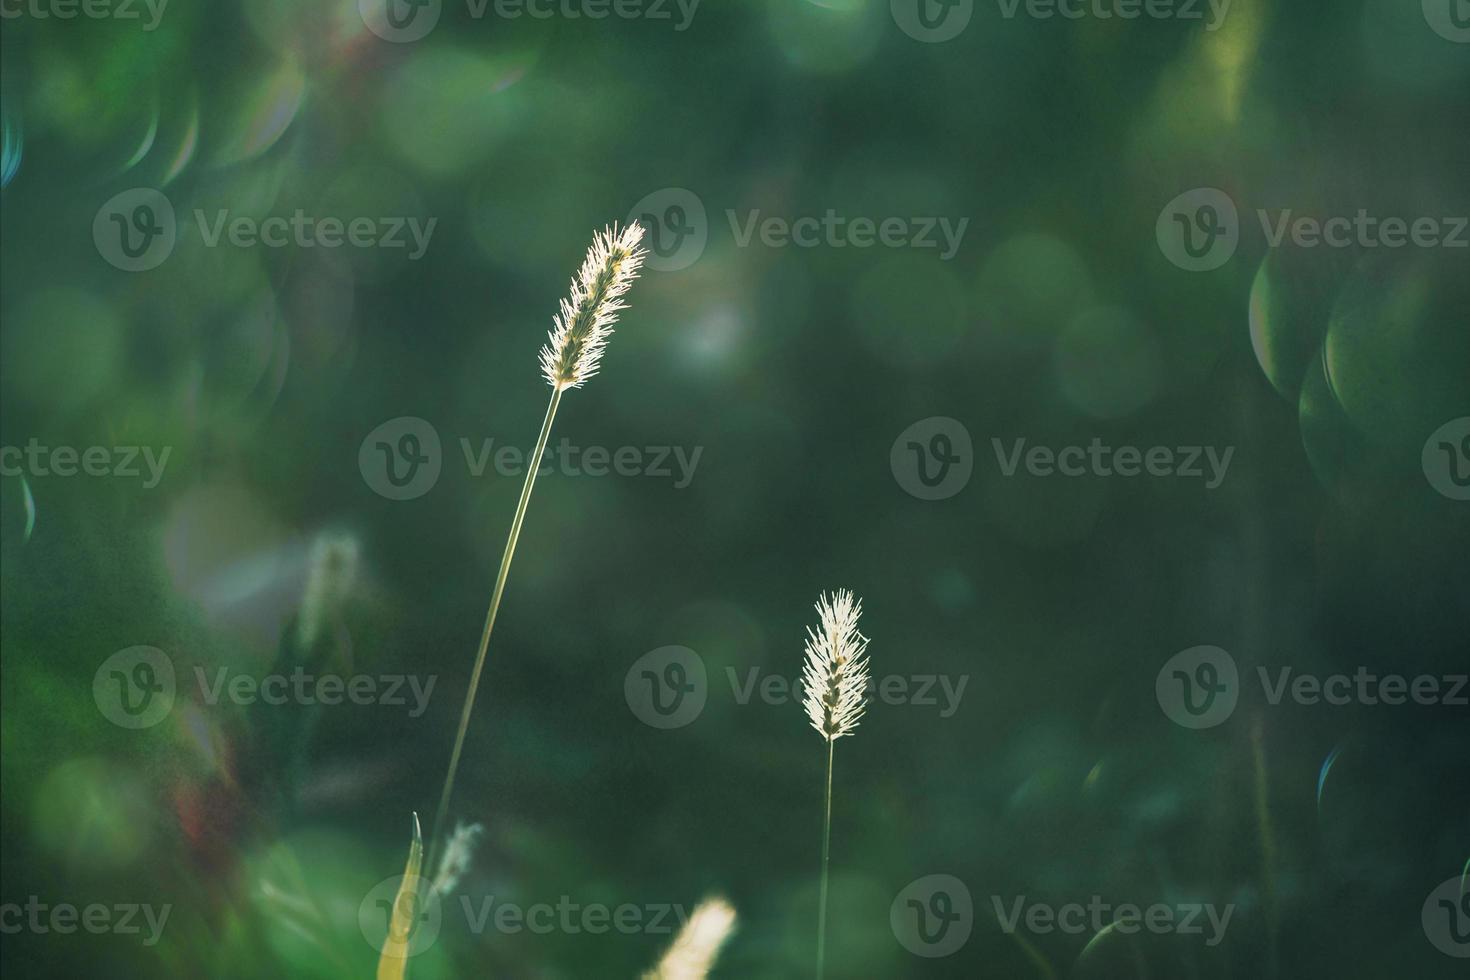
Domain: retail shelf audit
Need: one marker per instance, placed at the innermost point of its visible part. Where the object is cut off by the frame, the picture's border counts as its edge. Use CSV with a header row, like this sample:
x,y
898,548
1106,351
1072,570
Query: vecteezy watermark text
x,y
136,688
1362,230
935,21
89,9
403,458
1211,12
1200,230
97,918
422,911
669,688
137,230
933,917
300,687
678,230
834,230
940,691
306,231
1074,918
1096,459
406,21
1200,687
565,459
571,918
39,460
933,459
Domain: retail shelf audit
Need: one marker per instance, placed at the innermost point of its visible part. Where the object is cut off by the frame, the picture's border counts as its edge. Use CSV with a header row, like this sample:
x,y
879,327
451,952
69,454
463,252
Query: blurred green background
x,y
792,370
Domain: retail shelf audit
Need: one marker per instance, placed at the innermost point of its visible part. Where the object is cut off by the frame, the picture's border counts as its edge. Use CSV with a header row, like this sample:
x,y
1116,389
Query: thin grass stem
x,y
826,856
469,698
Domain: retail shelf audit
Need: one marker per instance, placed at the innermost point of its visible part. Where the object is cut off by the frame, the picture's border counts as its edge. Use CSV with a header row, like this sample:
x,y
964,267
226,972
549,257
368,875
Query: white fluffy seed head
x,y
835,673
698,944
585,321
459,854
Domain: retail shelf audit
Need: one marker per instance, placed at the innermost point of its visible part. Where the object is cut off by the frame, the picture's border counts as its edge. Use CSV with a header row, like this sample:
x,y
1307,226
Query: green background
x,y
793,370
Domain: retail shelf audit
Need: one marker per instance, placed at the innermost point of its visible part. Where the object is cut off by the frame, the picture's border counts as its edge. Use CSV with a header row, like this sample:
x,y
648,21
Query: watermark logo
x,y
415,926
401,458
134,688
136,230
1446,918
1450,19
676,226
400,21
667,688
90,9
1199,230
932,21
1446,459
1199,687
933,458
933,916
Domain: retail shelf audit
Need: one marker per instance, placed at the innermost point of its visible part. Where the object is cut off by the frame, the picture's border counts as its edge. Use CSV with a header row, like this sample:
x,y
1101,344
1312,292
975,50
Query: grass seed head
x,y
575,344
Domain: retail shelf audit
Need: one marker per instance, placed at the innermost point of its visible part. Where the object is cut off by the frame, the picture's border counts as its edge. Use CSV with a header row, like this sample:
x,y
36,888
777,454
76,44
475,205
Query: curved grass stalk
x,y
571,356
442,812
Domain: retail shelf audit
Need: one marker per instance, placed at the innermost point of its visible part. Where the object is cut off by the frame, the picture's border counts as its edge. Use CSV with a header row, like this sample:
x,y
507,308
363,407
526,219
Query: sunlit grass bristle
x,y
697,946
835,678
